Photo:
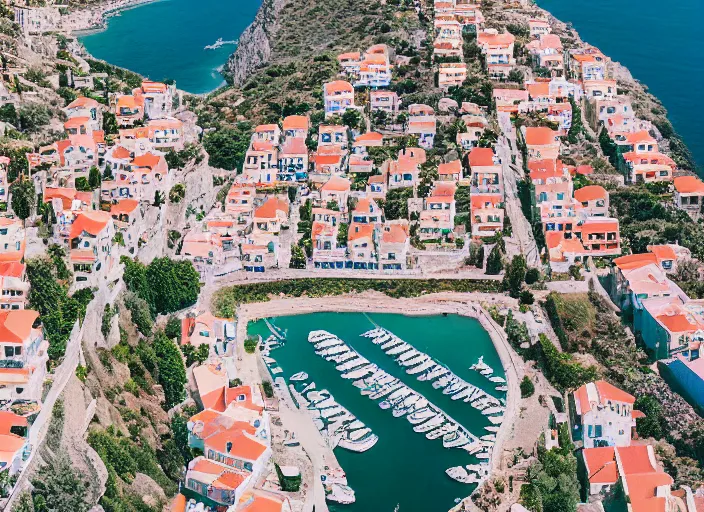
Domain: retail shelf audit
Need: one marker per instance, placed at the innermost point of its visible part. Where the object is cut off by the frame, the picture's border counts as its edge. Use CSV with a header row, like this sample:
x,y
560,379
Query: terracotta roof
x,y
294,146
663,252
83,102
12,269
369,137
10,444
590,193
243,446
16,325
269,209
257,501
689,185
337,86
358,230
481,157
124,206
149,160
633,261
295,123
178,504
76,122
601,465
677,323
540,136
9,419
538,89
336,184
91,221
395,233
454,167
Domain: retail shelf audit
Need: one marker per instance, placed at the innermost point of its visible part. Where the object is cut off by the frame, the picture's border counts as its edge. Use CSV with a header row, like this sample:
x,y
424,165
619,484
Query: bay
x,y
403,468
166,40
660,44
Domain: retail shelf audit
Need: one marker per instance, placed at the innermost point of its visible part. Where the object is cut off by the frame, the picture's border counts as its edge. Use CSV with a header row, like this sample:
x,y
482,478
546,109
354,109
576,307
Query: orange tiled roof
x,y
540,136
590,193
601,465
689,185
91,221
454,167
481,157
16,325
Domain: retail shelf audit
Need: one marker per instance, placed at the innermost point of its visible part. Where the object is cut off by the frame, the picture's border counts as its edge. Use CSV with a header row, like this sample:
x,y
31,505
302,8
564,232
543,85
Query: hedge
x,y
227,299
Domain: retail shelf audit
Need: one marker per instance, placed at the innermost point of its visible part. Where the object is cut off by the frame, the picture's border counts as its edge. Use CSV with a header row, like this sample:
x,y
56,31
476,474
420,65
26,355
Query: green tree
x,y
526,297
342,234
527,387
172,372
24,197
353,119
298,258
139,312
8,114
532,275
173,328
94,178
494,263
174,283
110,124
515,275
654,424
226,147
24,503
60,487
33,116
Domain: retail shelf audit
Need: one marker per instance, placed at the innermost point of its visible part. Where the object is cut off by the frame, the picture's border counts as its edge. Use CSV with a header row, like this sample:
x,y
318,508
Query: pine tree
x,y
494,263
94,178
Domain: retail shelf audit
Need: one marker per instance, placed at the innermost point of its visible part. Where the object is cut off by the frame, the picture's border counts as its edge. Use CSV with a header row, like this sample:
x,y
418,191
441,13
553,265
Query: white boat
x,y
463,393
503,389
421,367
361,445
330,342
421,415
389,344
332,411
483,456
344,357
308,387
497,379
420,358
276,370
340,493
360,372
496,420
442,381
407,355
323,404
402,392
479,365
439,432
296,377
318,336
488,437
318,423
399,349
405,407
454,440
373,333
381,339
268,360
434,373
460,474
358,434
354,363
332,351
386,390
493,410
432,423
486,372
453,387
492,429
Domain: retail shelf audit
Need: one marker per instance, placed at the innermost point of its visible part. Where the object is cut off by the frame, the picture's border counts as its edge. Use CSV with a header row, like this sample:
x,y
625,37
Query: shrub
x,y
268,389
140,314
250,345
172,372
532,276
288,483
494,263
527,387
177,193
173,328
526,297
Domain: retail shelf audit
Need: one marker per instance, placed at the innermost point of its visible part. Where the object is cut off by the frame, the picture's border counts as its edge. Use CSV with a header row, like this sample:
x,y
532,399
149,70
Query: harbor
x,y
381,416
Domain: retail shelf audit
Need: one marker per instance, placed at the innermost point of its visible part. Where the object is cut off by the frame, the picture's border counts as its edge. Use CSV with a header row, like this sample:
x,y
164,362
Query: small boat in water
x,y
385,404
443,381
373,333
340,493
434,422
381,339
394,342
390,388
460,474
421,367
329,342
296,377
360,445
454,440
503,389
342,358
492,429
353,363
500,380
399,349
419,359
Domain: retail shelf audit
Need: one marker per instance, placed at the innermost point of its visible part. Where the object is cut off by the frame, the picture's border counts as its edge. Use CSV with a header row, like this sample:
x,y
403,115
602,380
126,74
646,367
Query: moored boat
x,y
296,377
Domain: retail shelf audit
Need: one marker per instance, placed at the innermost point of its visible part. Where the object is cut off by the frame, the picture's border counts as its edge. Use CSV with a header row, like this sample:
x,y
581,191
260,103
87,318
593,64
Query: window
x,y
9,352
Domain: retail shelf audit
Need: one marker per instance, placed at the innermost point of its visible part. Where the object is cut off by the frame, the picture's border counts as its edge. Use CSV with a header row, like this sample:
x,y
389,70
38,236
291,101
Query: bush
x,y
494,263
172,372
288,483
173,328
527,387
250,345
177,193
268,389
532,276
140,313
227,147
526,297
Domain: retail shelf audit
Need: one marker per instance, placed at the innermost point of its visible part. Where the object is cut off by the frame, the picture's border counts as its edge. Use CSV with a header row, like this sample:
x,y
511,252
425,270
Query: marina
x,y
415,420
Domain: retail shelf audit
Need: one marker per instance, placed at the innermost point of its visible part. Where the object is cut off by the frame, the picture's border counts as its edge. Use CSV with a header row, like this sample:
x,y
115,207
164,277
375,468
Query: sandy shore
x,y
465,304
94,18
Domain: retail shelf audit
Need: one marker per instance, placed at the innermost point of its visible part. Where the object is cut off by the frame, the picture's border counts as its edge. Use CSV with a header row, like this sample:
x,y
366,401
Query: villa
x,y
14,286
384,101
451,74
487,214
498,52
605,415
91,254
542,142
437,220
207,329
393,245
594,200
422,123
689,195
338,96
25,355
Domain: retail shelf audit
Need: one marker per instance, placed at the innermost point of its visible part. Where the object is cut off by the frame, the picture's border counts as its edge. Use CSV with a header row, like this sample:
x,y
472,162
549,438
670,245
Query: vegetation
x,y
172,372
553,484
573,318
226,147
140,313
495,261
58,486
288,483
560,368
250,345
527,387
166,285
49,296
226,299
514,276
24,197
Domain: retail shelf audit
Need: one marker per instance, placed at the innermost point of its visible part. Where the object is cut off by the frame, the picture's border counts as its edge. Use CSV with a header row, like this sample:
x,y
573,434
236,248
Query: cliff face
x,y
254,47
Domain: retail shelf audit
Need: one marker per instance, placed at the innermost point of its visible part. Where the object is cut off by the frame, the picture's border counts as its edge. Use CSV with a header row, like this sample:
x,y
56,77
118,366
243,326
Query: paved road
x,y
522,230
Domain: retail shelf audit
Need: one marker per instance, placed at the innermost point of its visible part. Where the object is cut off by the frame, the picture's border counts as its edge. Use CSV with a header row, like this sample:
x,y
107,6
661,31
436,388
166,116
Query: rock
x,y
148,489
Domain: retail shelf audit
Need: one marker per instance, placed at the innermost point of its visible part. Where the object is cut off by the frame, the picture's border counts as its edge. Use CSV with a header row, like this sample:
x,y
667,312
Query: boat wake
x,y
217,44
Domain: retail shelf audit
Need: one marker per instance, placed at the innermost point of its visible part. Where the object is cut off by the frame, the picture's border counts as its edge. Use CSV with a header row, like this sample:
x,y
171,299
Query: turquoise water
x,y
660,44
165,39
403,468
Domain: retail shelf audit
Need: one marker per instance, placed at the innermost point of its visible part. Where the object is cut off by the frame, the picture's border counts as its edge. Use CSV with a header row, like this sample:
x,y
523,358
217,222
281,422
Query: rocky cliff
x,y
254,47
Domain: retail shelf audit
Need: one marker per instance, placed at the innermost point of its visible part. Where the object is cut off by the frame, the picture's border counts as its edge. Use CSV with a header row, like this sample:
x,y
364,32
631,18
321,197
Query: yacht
x,y
341,358
492,429
460,474
440,432
296,377
331,411
353,363
359,445
360,372
464,393
394,342
493,410
405,406
389,388
454,440
421,367
399,349
330,342
498,380
332,351
318,336
443,381
407,355
421,415
432,423
373,333
420,358
496,420
340,493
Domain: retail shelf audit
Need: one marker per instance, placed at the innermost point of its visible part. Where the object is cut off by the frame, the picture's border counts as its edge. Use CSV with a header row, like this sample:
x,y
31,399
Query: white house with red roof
x,y
394,243
92,255
338,96
23,350
157,98
437,219
14,286
328,253
605,415
689,195
498,51
422,123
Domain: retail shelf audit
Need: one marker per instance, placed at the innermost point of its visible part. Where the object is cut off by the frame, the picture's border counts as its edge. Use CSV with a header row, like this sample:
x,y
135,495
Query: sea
x,y
166,40
403,469
660,44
